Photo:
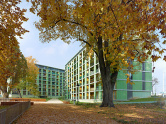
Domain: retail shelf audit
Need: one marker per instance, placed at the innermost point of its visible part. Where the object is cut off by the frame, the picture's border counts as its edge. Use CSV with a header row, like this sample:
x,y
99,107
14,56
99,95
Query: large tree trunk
x,y
108,87
108,79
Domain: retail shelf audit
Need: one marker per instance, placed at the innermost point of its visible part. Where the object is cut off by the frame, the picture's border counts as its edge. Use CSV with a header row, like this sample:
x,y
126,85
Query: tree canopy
x,y
116,30
11,19
29,83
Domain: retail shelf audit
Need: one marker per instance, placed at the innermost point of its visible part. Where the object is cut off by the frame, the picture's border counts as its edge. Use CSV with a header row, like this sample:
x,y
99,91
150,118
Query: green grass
x,y
63,99
48,99
145,99
86,105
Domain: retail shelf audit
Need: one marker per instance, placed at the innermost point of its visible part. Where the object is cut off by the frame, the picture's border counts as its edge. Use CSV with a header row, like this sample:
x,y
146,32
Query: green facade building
x,y
83,80
50,81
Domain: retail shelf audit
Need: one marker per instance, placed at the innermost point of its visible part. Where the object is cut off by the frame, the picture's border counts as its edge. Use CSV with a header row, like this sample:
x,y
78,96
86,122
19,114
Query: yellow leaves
x,y
33,71
90,52
149,52
12,18
126,26
127,80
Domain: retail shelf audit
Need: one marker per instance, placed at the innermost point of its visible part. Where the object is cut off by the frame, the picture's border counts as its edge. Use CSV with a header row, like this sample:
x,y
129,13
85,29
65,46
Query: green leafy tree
x,y
20,73
118,31
29,82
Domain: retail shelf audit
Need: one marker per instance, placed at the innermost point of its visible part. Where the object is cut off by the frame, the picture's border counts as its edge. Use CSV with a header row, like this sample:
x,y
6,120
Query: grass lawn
x,y
146,99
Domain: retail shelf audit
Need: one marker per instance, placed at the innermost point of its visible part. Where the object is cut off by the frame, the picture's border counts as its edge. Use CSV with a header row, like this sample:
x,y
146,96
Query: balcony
x,y
91,72
92,89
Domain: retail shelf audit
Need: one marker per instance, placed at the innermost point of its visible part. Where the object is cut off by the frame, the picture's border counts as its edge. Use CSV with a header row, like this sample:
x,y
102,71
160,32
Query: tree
x,y
29,83
11,19
154,82
13,69
19,74
118,31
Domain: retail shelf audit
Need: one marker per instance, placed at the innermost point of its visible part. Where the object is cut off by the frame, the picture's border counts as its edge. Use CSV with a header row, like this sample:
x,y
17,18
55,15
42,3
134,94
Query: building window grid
x,y
83,71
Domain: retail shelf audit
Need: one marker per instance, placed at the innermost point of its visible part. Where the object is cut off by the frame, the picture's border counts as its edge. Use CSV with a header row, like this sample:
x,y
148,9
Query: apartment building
x,y
83,80
50,81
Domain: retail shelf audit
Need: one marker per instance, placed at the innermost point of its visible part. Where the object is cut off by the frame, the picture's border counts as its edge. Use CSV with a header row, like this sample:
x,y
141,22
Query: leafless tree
x,y
154,82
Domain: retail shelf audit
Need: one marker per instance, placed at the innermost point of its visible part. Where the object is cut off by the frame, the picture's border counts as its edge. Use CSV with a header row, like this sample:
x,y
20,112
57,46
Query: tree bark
x,y
108,86
108,79
19,93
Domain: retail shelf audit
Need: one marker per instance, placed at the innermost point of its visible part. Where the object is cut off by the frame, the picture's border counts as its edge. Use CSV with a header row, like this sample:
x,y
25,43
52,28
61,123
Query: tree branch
x,y
115,17
73,23
89,46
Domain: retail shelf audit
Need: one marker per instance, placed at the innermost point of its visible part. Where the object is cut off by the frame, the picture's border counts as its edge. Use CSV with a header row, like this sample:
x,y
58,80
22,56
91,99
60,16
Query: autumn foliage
x,y
118,31
11,19
29,82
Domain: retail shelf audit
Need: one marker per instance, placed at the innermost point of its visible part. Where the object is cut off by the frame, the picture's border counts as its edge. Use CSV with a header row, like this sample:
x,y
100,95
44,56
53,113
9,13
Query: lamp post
x,y
77,92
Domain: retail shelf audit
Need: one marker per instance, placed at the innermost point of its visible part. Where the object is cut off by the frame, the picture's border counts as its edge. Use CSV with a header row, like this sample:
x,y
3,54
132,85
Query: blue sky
x,y
57,53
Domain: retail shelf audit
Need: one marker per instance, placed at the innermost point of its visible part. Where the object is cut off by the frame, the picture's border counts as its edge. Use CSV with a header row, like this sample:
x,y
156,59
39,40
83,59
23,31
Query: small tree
x,y
29,83
154,82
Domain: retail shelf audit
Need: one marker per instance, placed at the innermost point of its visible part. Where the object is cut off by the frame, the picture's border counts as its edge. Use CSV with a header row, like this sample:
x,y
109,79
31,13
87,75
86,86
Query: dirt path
x,y
61,114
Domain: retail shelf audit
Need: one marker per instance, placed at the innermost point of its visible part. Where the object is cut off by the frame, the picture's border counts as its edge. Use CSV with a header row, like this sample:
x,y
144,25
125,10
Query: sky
x,y
57,53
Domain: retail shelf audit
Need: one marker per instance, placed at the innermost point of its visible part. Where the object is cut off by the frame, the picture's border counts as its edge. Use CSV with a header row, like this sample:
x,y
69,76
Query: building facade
x,y
50,81
83,80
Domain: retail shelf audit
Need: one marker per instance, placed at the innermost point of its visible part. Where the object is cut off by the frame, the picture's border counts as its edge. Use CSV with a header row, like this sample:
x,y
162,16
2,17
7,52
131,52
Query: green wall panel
x,y
148,86
121,84
137,76
121,75
121,95
148,66
137,65
137,85
148,76
141,94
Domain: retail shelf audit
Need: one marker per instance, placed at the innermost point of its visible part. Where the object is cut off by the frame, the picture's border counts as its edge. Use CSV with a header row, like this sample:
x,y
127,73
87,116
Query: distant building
x,y
83,75
50,81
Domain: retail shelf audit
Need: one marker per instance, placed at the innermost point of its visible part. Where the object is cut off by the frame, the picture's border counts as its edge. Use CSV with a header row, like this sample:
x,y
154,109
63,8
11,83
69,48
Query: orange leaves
x,y
155,58
164,58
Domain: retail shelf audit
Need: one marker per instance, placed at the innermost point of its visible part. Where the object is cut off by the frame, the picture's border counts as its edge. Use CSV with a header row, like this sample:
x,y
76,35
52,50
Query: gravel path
x,y
61,114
